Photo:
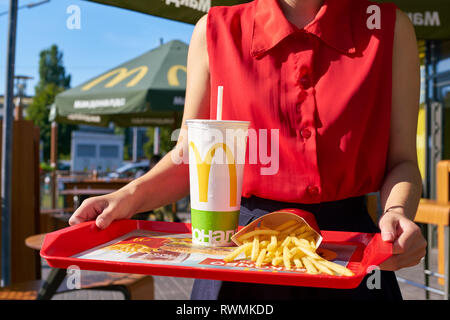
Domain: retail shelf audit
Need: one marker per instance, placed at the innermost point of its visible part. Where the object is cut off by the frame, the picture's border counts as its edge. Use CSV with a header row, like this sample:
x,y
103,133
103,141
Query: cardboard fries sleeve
x,y
276,218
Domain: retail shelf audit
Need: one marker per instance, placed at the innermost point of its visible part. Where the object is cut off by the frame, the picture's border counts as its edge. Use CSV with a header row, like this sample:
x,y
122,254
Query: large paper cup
x,y
216,167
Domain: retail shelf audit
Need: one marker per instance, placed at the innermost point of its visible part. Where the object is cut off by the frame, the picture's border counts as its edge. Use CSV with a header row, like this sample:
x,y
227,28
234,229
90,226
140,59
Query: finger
x,y
388,226
80,215
88,210
409,258
408,234
391,264
74,219
404,260
105,218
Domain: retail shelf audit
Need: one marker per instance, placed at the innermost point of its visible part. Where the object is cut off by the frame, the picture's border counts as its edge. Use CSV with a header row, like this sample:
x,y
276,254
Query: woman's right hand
x,y
104,209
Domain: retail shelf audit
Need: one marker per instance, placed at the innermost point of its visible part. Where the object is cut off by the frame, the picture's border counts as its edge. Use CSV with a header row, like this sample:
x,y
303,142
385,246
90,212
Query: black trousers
x,y
344,215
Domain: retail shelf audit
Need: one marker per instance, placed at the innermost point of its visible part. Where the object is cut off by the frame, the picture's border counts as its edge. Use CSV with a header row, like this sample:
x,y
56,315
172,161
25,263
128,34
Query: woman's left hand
x,y
409,245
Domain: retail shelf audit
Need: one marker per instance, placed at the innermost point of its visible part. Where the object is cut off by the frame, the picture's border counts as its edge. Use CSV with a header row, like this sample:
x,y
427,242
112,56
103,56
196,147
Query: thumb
x,y
388,227
105,218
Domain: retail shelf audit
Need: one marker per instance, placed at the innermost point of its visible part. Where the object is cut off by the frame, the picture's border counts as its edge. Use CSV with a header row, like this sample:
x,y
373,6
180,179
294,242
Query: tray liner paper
x,y
149,247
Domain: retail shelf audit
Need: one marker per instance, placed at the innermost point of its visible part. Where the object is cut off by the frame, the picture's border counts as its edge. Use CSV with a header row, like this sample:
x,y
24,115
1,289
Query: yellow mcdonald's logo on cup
x,y
119,75
204,168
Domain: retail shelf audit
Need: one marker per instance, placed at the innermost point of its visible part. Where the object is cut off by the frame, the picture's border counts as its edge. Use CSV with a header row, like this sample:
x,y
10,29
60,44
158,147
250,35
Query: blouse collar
x,y
332,25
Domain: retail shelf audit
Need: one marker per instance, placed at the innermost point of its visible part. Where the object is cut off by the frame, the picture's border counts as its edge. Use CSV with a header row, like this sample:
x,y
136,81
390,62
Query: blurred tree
x,y
127,144
52,80
165,143
38,112
51,69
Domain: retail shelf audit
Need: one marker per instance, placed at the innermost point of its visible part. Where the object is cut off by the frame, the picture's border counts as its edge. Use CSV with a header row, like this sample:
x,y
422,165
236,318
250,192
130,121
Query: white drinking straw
x,y
219,102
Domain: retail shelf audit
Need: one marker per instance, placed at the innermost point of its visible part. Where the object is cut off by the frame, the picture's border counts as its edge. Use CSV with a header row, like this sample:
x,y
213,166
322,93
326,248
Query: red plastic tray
x,y
59,248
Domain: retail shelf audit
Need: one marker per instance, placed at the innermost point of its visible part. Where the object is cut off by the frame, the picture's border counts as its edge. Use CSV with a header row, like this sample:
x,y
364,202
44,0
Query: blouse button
x,y
306,133
312,190
305,82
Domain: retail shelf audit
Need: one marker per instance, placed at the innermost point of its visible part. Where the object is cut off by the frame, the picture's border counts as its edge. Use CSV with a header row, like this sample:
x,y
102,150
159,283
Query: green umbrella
x,y
147,90
188,11
431,17
78,118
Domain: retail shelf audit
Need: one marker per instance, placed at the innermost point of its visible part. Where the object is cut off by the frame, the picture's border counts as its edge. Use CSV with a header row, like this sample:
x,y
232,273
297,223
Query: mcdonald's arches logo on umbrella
x,y
119,75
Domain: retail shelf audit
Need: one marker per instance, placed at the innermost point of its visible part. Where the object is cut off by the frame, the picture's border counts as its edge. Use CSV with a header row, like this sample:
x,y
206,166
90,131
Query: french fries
x,y
257,233
130,248
237,252
290,245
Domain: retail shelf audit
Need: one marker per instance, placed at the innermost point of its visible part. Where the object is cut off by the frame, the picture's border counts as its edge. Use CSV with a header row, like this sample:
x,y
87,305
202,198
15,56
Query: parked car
x,y
64,165
130,170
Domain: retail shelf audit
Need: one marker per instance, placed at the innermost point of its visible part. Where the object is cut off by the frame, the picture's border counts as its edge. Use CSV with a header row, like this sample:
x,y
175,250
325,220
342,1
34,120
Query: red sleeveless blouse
x,y
318,98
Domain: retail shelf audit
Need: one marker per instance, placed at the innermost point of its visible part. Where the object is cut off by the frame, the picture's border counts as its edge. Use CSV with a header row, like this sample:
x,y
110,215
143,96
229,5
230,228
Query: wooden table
x,y
87,192
437,212
79,195
96,184
55,277
35,242
133,286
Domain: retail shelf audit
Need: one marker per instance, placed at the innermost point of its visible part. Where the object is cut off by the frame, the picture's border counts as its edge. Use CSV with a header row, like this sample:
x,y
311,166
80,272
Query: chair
x,y
132,286
437,212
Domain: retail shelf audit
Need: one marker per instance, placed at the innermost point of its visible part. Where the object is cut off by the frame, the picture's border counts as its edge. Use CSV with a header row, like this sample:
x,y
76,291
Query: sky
x,y
107,37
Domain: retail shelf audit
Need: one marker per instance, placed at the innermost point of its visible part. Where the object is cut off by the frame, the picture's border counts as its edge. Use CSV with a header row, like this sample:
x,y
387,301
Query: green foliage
x,y
165,143
51,69
46,166
38,111
64,140
52,80
127,145
126,152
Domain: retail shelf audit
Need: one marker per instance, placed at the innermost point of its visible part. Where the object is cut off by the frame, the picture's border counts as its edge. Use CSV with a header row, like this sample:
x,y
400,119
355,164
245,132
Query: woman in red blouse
x,y
337,82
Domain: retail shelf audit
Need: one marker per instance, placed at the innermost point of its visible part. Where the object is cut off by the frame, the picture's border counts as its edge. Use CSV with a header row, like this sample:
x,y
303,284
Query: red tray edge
x,y
213,274
206,273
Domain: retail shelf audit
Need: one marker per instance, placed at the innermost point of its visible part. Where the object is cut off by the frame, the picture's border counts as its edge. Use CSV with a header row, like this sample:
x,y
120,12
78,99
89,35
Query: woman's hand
x,y
104,209
409,245
402,186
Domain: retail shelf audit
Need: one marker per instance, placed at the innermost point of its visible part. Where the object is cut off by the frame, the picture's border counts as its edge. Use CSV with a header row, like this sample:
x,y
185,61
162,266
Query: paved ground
x,y
170,288
416,274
